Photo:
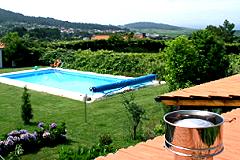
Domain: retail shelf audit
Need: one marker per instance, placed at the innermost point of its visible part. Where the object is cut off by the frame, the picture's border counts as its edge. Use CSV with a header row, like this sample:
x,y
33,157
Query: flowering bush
x,y
51,134
45,135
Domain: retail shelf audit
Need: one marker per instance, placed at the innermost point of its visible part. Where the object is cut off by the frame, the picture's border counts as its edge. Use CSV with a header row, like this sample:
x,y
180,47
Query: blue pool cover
x,y
124,83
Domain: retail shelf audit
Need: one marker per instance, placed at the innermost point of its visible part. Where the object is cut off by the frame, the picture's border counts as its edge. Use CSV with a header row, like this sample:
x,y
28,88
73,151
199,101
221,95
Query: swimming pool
x,y
67,83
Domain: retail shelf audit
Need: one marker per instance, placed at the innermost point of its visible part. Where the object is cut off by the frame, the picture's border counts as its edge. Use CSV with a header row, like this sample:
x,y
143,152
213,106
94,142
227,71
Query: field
x,y
105,116
170,33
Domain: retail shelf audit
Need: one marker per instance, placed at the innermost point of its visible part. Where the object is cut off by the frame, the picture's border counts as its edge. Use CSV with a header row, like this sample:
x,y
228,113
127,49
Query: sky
x,y
185,13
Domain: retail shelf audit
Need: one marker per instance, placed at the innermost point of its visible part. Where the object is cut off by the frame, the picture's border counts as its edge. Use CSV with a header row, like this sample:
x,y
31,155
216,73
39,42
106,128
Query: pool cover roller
x,y
124,83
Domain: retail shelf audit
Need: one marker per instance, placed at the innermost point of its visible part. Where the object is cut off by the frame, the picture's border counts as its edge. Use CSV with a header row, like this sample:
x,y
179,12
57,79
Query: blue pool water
x,y
66,80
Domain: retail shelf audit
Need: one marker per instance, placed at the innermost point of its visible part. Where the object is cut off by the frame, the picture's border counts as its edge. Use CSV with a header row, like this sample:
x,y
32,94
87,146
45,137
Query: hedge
x,y
109,62
139,46
232,48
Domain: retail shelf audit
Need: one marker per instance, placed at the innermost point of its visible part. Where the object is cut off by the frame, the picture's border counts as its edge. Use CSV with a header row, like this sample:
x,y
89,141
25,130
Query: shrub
x,y
232,48
196,60
234,64
26,107
45,135
136,113
21,50
108,62
88,153
105,140
114,43
181,62
159,129
16,154
51,134
212,63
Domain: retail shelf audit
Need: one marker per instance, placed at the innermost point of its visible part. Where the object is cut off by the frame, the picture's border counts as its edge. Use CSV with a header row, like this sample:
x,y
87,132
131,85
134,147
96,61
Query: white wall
x,y
1,58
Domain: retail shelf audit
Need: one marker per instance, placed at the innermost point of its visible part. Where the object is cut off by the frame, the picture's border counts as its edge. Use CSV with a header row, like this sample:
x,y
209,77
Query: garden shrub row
x,y
234,64
232,48
44,135
88,153
139,46
109,62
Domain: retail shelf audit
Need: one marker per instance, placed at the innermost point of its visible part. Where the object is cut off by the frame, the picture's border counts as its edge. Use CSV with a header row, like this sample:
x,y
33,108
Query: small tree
x,y
212,62
224,32
194,61
181,63
26,107
135,111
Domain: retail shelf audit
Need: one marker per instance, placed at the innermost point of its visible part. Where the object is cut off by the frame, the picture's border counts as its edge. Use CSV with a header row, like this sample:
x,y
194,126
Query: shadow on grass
x,y
32,124
37,147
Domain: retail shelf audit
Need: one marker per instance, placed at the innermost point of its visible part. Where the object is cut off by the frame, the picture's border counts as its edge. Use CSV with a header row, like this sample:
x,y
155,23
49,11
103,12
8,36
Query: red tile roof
x,y
154,150
2,45
226,87
100,37
223,89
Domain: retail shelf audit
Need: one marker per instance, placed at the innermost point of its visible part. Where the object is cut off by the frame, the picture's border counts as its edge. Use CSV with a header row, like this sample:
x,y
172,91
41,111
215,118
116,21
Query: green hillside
x,y
159,28
8,18
151,25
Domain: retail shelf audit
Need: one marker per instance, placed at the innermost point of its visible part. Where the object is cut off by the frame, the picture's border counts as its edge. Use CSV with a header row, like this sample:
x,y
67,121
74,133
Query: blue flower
x,y
24,137
46,134
16,139
14,133
9,143
40,125
35,133
53,125
33,137
1,143
23,131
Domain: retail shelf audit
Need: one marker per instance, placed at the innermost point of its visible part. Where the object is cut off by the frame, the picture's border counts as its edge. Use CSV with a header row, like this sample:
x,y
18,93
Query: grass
x,y
105,116
6,70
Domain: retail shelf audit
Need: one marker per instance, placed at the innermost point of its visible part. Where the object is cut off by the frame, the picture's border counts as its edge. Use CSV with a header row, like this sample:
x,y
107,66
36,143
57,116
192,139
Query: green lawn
x,y
6,70
105,116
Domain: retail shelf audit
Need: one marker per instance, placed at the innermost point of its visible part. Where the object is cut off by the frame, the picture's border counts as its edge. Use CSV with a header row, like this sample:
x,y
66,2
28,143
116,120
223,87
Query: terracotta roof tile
x,y
100,37
226,87
154,150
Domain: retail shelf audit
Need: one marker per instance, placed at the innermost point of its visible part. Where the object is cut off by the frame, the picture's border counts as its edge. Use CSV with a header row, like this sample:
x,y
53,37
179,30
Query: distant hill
x,y
9,17
151,25
237,33
159,28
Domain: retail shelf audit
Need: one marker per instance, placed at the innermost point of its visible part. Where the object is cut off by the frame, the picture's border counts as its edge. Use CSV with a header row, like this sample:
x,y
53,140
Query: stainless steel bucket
x,y
194,134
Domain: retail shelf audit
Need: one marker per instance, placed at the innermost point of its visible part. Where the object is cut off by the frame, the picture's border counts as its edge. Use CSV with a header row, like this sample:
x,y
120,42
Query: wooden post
x,y
1,59
85,107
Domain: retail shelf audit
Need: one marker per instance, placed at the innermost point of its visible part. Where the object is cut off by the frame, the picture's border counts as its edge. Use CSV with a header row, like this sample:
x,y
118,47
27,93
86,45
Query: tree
x,y
196,60
212,63
224,32
130,35
20,30
26,107
45,33
227,30
12,43
181,63
135,112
